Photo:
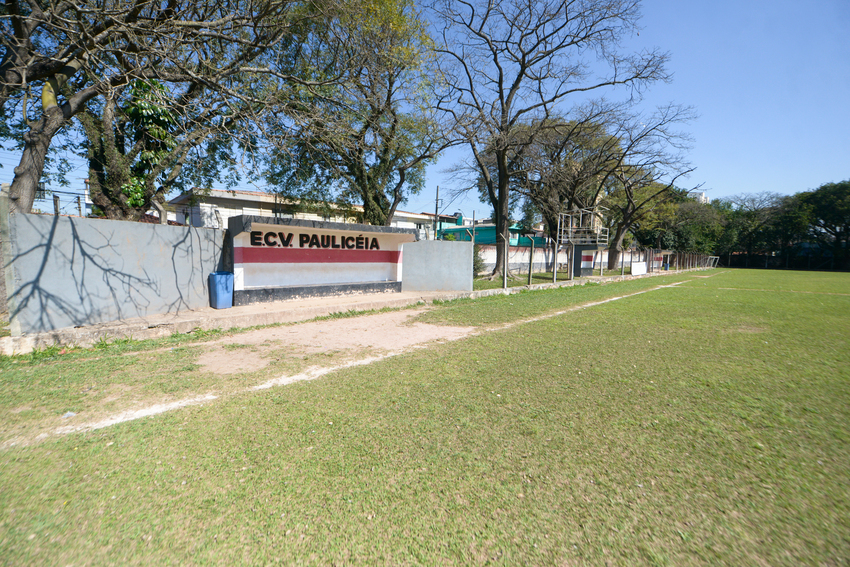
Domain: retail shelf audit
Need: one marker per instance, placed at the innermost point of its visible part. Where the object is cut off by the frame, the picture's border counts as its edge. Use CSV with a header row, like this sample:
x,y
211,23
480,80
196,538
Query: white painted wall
x,y
263,263
519,256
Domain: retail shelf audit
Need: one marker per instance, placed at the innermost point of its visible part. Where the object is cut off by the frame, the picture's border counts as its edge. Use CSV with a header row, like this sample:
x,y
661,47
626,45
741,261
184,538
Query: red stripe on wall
x,y
269,255
587,258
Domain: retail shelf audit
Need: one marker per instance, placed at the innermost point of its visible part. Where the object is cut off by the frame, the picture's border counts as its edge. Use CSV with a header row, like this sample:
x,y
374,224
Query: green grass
x,y
498,309
519,280
686,425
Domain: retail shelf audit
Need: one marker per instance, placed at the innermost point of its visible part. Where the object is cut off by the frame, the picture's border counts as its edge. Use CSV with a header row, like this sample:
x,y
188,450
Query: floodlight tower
x,y
582,228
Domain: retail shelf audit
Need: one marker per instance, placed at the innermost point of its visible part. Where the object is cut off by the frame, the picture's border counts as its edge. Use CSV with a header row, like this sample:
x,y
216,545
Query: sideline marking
x,y
712,275
783,291
131,415
314,372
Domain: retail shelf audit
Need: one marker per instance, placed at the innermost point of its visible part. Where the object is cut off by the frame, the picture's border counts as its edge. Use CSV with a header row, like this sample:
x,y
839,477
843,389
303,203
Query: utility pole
x,y
436,211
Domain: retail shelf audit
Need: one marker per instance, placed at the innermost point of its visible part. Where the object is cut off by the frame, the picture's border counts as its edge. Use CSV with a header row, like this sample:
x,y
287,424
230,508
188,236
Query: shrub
x,y
477,261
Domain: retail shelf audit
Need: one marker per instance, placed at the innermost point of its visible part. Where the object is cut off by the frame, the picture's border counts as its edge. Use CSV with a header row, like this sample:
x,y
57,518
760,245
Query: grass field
x,y
701,423
519,280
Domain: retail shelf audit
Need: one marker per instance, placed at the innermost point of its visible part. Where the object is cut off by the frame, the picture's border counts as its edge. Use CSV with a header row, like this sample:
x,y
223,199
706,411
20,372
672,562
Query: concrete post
x,y
6,276
163,216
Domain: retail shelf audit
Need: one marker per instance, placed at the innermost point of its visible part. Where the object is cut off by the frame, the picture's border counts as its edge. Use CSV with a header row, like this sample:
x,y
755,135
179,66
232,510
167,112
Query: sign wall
x,y
276,255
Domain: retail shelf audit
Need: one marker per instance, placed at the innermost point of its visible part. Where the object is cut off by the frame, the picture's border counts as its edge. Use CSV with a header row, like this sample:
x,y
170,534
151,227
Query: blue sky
x,y
770,81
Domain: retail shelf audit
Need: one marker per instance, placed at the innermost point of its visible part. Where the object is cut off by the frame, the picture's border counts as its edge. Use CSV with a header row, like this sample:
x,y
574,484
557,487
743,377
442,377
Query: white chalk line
x,y
317,372
131,415
784,291
712,275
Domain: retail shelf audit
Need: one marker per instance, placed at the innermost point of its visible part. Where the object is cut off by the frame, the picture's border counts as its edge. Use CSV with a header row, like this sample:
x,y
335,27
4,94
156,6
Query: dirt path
x,y
379,334
360,340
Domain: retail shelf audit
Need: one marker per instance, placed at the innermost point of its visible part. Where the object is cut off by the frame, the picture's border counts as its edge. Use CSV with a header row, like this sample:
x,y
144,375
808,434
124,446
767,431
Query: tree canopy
x,y
829,208
367,138
807,230
60,58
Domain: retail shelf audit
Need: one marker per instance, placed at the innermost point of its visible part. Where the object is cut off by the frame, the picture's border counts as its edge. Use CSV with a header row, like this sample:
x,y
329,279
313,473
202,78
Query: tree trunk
x,y
502,209
616,247
613,257
375,203
28,173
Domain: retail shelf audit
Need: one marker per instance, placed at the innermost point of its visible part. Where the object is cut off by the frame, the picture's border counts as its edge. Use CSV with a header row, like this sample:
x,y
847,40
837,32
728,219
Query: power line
x,y
57,192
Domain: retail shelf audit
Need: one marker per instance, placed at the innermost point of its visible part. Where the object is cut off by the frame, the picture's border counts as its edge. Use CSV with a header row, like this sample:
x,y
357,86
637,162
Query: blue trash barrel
x,y
221,290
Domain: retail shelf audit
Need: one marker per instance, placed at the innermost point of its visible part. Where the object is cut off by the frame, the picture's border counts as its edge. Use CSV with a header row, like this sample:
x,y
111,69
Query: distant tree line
x,y
808,230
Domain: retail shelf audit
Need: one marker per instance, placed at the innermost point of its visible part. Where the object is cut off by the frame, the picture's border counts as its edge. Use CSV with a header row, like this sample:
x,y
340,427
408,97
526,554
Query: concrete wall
x,y
4,213
434,265
4,310
70,271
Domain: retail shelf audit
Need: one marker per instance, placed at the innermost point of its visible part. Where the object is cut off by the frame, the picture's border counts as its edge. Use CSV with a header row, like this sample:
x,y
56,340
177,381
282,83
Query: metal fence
x,y
652,260
633,261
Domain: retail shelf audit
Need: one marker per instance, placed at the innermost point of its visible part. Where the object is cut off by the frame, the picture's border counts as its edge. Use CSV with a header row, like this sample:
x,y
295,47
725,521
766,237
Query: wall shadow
x,y
73,271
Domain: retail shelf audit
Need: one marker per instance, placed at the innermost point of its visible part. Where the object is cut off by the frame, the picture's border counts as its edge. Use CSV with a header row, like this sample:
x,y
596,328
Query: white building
x,y
212,209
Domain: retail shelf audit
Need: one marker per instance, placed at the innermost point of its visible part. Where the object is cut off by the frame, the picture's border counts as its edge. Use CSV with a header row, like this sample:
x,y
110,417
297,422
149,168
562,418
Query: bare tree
x,y
644,169
517,62
560,169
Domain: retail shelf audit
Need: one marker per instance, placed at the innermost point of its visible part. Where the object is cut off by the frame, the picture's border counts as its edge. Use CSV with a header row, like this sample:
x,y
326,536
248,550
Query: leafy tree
x,y
142,142
682,224
477,260
830,219
125,145
644,170
750,217
658,228
727,241
788,226
59,57
699,226
768,222
530,215
368,138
